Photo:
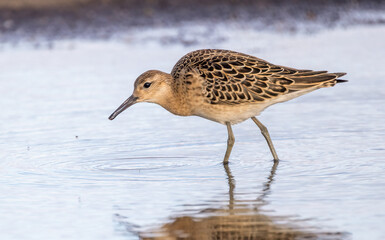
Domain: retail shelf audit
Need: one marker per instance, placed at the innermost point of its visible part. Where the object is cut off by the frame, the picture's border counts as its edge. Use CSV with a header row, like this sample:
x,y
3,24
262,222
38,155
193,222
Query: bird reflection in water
x,y
239,220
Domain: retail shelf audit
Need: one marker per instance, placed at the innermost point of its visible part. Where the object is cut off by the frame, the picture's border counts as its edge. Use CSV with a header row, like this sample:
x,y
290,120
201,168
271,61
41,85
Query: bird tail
x,y
306,80
341,80
340,75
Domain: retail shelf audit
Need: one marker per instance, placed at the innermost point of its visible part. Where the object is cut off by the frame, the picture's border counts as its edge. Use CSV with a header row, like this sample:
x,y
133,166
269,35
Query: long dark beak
x,y
129,102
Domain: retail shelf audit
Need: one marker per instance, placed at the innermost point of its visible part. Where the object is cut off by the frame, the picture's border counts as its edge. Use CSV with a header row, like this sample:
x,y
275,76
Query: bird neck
x,y
173,101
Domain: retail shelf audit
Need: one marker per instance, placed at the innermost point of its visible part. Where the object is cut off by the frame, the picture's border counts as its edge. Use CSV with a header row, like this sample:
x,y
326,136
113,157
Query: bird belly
x,y
229,113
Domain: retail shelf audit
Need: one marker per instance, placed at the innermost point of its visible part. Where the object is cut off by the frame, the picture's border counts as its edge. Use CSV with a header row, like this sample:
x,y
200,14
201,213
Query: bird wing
x,y
229,77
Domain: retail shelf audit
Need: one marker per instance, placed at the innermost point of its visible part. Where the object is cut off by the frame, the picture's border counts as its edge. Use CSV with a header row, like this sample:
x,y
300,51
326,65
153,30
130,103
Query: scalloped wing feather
x,y
229,77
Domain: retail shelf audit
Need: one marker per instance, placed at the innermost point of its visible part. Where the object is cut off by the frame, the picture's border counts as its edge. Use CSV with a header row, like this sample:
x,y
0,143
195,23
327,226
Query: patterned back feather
x,y
231,78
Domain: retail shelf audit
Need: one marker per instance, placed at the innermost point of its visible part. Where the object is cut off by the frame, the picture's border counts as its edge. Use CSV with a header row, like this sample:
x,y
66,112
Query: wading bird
x,y
226,87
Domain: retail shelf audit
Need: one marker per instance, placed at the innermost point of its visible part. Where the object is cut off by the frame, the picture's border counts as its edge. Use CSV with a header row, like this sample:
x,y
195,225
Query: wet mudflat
x,y
67,172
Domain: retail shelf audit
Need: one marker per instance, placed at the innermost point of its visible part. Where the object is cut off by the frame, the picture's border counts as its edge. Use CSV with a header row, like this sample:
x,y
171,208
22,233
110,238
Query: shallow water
x,y
67,172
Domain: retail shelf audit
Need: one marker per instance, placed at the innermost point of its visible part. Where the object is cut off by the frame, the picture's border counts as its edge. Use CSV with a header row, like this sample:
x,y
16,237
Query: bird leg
x,y
265,133
230,143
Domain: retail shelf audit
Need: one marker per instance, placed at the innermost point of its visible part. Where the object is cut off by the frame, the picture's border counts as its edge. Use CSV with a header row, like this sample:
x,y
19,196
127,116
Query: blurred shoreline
x,y
103,19
37,4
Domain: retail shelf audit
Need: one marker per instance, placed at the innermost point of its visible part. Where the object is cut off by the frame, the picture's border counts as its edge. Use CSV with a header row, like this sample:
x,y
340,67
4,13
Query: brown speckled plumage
x,y
229,77
227,87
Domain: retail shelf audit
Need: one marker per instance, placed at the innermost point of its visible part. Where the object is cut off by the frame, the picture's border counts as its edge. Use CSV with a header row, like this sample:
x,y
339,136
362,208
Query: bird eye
x,y
147,85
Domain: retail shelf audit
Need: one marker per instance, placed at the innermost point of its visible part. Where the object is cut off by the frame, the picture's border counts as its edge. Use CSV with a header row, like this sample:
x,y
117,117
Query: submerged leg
x,y
230,143
265,133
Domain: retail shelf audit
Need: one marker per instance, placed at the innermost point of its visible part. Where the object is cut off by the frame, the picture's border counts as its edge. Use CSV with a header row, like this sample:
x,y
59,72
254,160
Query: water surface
x,y
67,172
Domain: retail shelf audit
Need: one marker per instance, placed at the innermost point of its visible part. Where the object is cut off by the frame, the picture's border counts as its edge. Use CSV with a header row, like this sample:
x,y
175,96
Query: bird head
x,y
151,86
